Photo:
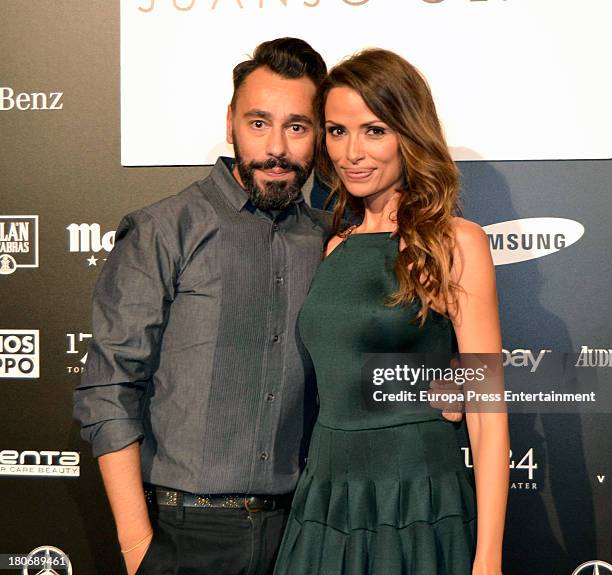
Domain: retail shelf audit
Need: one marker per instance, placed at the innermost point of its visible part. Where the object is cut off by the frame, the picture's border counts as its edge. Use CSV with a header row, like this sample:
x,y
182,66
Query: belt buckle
x,y
246,504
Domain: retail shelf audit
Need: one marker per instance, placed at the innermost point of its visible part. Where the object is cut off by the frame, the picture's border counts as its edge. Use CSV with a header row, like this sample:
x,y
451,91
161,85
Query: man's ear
x,y
228,128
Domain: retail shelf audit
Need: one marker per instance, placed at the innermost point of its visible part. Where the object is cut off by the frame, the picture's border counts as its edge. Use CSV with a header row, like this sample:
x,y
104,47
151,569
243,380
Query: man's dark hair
x,y
288,57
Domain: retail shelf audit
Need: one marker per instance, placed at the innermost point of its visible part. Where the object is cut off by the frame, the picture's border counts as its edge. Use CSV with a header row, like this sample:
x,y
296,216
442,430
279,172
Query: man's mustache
x,y
272,163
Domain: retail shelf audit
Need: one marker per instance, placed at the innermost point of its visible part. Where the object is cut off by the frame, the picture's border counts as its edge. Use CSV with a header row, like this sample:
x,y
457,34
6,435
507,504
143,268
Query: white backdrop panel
x,y
512,79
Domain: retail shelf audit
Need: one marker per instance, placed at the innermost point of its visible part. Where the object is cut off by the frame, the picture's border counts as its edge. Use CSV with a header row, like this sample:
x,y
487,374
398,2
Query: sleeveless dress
x,y
382,493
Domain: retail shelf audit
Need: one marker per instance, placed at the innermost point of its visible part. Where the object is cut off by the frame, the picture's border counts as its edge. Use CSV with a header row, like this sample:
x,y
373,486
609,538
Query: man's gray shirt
x,y
194,349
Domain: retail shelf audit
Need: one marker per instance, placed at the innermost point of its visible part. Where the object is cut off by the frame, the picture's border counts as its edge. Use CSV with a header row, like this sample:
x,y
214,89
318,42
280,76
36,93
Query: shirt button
x,y
264,456
275,227
276,338
280,280
270,397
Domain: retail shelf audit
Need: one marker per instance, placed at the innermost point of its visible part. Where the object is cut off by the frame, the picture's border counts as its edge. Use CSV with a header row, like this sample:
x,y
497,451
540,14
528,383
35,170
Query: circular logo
x,y
7,264
594,568
47,560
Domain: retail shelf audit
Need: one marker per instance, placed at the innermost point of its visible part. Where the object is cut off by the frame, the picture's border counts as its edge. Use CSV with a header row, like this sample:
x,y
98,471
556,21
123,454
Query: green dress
x,y
383,493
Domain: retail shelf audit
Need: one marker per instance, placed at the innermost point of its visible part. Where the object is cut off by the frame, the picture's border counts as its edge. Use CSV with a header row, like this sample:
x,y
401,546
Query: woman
x,y
387,493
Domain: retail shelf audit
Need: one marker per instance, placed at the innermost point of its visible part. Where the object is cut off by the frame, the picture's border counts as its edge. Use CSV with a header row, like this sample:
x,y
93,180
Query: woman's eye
x,y
335,131
376,131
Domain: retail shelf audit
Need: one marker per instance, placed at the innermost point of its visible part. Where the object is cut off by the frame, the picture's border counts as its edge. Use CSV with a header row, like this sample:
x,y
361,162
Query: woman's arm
x,y
476,322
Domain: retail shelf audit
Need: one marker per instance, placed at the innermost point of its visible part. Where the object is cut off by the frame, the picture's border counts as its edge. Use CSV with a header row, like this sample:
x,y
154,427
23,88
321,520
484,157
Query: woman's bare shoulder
x,y
468,233
470,238
471,250
332,244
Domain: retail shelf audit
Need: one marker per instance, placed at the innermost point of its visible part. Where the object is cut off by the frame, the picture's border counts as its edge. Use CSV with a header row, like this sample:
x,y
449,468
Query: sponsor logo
x,y
46,560
593,568
530,238
590,357
188,5
19,354
23,101
526,463
18,243
40,463
89,239
523,358
77,345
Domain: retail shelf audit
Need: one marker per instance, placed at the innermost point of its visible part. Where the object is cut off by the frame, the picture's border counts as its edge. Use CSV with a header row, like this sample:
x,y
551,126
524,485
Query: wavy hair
x,y
397,93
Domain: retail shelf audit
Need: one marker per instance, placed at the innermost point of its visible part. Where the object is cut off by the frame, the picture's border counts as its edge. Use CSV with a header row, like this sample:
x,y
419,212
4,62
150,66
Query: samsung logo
x,y
530,238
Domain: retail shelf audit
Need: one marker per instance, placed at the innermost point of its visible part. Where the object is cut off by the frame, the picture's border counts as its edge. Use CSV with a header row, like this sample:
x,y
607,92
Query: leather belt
x,y
251,503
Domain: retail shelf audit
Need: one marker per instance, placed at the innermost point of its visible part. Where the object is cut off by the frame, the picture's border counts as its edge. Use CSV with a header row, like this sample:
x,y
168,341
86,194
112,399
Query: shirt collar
x,y
233,191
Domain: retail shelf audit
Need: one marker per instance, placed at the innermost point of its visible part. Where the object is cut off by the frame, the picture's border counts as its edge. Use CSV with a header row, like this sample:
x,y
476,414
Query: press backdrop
x,y
62,192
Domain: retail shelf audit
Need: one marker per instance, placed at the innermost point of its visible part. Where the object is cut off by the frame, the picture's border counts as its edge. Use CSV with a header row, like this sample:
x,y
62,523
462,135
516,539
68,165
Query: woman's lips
x,y
357,175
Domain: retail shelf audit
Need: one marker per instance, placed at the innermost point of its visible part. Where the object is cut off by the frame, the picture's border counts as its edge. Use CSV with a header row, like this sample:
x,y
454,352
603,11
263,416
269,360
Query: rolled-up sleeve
x,y
130,306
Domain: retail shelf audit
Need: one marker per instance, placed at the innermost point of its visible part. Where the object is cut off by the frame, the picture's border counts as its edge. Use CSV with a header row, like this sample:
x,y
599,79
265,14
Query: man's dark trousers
x,y
213,541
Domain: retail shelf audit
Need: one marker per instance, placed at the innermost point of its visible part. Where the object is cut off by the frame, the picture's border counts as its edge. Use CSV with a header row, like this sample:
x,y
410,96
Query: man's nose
x,y
276,145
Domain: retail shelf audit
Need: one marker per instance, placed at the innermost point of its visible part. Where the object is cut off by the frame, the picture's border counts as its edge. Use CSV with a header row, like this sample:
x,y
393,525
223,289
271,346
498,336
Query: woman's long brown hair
x,y
398,95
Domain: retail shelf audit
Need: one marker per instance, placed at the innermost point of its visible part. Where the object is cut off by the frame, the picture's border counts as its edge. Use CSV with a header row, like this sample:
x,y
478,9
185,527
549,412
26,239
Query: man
x,y
195,381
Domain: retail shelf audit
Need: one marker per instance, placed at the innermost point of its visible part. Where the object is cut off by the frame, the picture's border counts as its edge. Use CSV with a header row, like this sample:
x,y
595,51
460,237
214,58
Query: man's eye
x,y
335,131
258,124
297,128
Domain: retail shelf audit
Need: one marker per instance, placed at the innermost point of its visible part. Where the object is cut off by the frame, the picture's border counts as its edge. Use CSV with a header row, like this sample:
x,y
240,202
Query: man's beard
x,y
276,195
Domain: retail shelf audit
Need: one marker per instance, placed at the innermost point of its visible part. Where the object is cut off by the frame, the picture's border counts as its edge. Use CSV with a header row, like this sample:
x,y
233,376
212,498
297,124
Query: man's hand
x,y
447,395
123,482
134,554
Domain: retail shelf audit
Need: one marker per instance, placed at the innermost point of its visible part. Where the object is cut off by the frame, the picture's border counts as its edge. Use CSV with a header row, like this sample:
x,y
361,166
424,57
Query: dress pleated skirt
x,y
385,501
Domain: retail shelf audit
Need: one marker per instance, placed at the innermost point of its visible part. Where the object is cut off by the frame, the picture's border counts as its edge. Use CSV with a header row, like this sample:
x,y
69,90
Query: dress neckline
x,y
371,237
350,232
368,234
385,235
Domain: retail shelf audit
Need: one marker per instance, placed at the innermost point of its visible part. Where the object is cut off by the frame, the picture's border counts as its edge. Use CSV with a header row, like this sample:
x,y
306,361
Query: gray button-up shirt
x,y
194,348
